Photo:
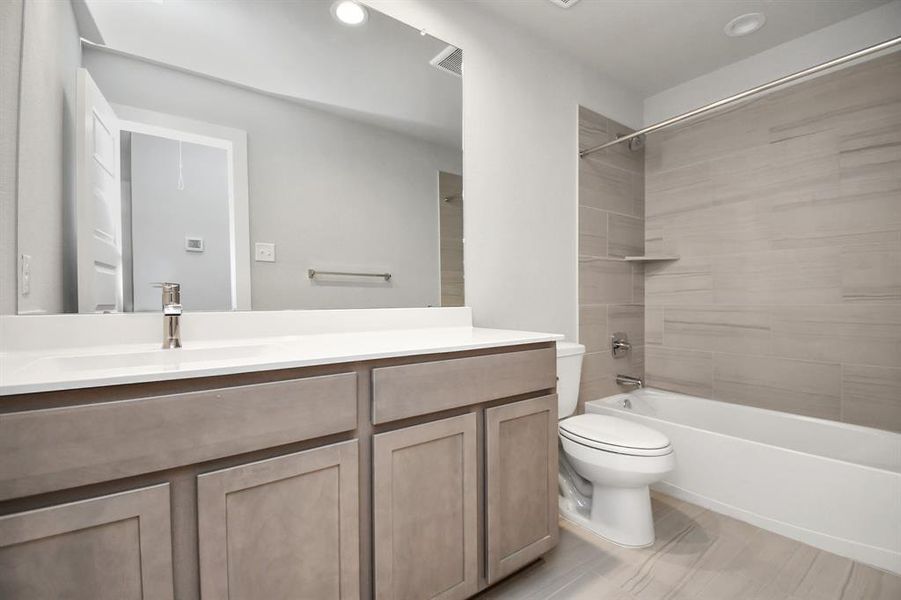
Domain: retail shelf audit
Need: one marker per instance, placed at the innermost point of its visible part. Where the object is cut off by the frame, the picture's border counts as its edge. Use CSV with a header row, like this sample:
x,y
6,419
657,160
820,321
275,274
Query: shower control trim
x,y
620,345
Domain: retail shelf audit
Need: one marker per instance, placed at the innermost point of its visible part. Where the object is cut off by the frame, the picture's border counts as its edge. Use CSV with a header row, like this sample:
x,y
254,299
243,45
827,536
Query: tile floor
x,y
699,555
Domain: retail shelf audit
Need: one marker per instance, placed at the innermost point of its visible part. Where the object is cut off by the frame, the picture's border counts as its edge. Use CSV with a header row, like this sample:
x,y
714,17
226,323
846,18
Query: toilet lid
x,y
614,434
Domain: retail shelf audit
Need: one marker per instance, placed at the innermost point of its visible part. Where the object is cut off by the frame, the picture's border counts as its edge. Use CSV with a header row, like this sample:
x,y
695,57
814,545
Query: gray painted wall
x,y
10,61
331,193
163,215
51,55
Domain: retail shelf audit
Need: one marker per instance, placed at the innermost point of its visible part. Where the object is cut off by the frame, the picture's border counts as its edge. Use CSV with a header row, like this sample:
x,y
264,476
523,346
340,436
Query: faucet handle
x,y
171,295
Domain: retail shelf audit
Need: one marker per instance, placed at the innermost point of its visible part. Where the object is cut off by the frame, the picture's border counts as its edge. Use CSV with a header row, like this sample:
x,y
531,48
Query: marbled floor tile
x,y
800,387
625,236
698,555
838,333
679,370
740,329
592,232
871,396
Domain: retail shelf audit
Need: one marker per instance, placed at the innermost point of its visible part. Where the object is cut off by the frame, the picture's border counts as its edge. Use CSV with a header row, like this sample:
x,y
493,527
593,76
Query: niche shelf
x,y
652,258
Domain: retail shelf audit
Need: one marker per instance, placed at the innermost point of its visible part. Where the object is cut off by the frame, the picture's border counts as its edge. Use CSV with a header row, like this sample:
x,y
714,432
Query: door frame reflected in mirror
x,y
234,142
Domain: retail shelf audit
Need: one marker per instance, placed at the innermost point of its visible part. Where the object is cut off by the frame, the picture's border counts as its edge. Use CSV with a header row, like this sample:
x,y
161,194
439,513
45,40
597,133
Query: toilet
x,y
607,463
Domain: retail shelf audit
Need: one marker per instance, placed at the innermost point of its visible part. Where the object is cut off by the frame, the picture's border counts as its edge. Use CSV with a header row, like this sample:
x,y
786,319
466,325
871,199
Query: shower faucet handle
x,y
620,344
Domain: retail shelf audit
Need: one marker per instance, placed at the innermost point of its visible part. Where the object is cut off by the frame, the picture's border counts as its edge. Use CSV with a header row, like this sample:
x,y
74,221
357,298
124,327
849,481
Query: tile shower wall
x,y
611,226
786,213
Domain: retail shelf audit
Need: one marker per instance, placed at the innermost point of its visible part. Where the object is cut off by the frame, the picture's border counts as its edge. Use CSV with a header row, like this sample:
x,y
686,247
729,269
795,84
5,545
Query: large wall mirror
x,y
266,155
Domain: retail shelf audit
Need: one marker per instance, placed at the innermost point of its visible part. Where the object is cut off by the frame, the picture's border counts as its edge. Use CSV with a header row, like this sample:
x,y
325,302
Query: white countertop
x,y
28,371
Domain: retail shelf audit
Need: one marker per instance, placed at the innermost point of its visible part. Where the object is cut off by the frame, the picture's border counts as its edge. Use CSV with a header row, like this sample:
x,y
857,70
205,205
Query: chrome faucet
x,y
171,314
629,380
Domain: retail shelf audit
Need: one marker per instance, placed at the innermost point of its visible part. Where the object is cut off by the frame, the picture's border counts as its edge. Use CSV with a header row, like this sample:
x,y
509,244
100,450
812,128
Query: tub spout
x,y
629,380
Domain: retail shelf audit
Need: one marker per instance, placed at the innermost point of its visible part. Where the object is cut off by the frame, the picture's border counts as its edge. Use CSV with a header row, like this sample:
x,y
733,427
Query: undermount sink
x,y
154,359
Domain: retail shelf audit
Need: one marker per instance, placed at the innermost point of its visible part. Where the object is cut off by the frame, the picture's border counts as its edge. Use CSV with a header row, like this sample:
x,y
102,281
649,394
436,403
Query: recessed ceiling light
x,y
349,12
744,24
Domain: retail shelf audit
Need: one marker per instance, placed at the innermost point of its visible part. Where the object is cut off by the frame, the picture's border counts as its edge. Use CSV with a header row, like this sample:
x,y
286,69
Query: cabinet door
x,y
116,547
286,527
425,504
521,481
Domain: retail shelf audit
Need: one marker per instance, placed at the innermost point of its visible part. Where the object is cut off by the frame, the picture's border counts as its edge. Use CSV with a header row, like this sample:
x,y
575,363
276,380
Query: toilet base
x,y
619,515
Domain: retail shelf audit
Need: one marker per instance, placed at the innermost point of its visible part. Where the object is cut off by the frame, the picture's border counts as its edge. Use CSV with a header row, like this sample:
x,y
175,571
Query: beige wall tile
x,y
592,128
739,329
628,319
653,325
592,232
593,327
686,371
638,283
625,236
787,218
871,276
801,387
611,189
606,187
688,281
803,276
871,396
839,333
604,281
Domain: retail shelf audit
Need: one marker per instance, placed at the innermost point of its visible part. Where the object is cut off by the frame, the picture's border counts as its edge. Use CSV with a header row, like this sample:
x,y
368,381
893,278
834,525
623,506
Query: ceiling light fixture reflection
x,y
744,24
349,12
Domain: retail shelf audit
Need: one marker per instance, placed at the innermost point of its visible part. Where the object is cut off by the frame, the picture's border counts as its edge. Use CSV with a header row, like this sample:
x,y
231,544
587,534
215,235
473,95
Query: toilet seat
x,y
612,434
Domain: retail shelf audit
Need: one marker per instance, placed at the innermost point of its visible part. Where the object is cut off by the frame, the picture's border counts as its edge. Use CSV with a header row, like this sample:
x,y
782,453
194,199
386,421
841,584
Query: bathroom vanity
x,y
430,473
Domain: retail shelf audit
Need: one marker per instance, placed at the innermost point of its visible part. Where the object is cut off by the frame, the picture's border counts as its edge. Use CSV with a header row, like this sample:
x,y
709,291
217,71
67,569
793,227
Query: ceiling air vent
x,y
449,60
564,3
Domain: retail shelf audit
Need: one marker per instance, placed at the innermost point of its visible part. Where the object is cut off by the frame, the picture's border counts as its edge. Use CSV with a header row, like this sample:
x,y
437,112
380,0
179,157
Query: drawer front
x,y
419,389
50,449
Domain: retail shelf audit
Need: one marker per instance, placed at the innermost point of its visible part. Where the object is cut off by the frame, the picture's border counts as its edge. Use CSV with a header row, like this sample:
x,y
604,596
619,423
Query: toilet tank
x,y
569,372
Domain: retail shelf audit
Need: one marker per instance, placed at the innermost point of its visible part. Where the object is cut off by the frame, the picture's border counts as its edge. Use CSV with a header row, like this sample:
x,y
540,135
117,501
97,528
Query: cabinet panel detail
x,y
425,511
521,476
116,547
49,449
421,388
282,528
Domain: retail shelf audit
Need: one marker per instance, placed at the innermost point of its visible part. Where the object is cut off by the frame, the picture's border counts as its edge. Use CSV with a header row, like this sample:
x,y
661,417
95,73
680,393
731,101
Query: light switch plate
x,y
264,252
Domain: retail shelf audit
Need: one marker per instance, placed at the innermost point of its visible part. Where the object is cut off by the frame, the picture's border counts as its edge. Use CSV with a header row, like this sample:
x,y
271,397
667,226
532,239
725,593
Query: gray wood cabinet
x,y
520,483
425,502
282,528
115,547
407,478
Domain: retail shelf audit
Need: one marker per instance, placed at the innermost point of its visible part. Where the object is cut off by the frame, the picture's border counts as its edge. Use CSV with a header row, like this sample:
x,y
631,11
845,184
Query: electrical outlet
x,y
264,252
25,283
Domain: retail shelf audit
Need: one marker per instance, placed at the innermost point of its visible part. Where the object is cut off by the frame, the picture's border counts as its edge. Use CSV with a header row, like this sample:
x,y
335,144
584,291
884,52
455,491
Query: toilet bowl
x,y
619,459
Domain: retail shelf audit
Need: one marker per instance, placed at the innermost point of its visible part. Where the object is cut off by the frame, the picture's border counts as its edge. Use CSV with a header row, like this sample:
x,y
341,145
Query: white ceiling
x,y
378,73
652,45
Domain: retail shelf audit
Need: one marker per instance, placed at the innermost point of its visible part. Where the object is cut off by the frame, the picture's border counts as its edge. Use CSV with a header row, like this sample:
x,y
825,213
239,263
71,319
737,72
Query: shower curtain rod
x,y
746,94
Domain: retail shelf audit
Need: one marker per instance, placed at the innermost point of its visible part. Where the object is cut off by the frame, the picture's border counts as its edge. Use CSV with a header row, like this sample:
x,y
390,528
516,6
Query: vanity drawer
x,y
49,449
417,389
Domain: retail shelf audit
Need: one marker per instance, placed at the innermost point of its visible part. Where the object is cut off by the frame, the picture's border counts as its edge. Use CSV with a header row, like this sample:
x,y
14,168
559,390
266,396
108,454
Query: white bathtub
x,y
831,485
